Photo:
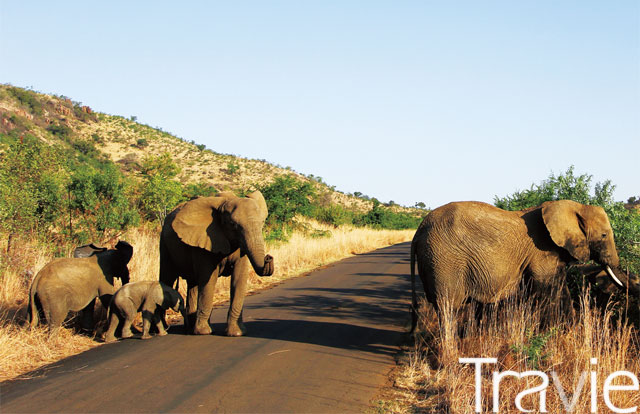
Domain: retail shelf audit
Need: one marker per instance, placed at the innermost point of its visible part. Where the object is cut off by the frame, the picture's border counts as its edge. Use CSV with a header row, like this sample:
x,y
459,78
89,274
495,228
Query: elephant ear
x,y
88,250
197,224
566,227
126,249
262,204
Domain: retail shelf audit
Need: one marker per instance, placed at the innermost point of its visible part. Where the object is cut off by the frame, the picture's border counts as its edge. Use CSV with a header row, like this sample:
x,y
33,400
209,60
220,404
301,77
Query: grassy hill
x,y
57,120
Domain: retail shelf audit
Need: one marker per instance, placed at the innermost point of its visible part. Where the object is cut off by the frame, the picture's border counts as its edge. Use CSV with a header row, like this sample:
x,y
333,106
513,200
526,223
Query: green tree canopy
x,y
32,180
160,192
102,200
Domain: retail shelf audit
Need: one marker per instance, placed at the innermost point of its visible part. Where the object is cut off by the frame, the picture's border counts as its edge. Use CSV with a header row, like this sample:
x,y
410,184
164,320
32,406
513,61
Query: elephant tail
x,y
32,310
414,300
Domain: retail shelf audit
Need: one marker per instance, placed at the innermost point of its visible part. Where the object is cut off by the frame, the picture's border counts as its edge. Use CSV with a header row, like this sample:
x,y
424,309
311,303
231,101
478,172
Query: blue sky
x,y
409,101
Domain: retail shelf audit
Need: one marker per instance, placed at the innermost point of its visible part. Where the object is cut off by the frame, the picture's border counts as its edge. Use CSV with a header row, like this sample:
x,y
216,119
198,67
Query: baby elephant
x,y
152,298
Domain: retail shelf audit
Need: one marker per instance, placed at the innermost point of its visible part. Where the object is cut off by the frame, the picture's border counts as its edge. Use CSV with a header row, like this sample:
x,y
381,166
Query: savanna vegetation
x,y
524,336
69,176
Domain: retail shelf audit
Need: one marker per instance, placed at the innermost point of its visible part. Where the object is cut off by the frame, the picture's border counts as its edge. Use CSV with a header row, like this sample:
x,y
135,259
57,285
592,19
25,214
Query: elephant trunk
x,y
254,248
624,280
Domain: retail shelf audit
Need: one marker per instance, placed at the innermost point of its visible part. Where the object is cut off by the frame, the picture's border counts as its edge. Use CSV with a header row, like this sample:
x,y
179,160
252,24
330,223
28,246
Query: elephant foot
x,y
162,333
236,329
202,329
146,336
109,338
126,335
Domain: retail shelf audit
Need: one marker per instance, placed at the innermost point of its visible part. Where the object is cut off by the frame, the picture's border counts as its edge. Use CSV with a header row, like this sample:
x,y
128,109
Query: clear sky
x,y
409,101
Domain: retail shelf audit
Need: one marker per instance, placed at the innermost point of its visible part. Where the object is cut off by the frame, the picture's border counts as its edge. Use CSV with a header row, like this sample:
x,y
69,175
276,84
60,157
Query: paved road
x,y
320,343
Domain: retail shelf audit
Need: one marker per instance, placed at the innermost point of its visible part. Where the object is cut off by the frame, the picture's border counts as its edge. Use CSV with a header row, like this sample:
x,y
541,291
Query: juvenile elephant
x,y
475,250
152,298
72,284
210,237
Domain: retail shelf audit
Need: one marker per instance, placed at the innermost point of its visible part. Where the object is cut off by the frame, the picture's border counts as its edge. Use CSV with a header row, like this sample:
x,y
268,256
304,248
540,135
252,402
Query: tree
x,y
160,192
286,197
32,182
101,199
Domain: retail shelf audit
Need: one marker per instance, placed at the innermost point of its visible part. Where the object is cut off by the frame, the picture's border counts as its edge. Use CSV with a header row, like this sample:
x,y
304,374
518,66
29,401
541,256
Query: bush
x,y
335,215
61,131
286,196
28,99
31,185
102,202
142,143
160,192
385,218
194,190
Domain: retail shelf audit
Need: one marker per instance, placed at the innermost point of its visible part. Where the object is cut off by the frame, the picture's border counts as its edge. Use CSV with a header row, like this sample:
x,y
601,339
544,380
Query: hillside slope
x,y
59,120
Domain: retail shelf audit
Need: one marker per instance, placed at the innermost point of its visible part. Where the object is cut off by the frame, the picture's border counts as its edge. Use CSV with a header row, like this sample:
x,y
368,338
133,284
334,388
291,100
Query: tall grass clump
x,y
519,337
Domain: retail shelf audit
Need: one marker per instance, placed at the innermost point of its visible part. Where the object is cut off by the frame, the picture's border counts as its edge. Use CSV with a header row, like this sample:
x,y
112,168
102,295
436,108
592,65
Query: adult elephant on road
x,y
475,250
210,237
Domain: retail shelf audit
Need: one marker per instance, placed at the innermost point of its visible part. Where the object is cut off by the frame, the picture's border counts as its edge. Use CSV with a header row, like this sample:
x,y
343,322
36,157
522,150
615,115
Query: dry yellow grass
x,y
23,350
433,380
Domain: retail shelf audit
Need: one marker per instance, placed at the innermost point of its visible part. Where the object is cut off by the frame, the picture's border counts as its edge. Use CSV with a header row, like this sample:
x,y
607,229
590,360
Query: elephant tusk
x,y
613,276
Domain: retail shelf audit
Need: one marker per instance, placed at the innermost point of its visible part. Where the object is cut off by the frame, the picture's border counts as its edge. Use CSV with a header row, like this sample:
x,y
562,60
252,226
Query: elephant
x,y
152,298
72,284
473,250
209,237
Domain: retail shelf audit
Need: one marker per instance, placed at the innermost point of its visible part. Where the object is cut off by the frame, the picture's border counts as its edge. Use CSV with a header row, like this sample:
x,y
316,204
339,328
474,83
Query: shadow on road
x,y
329,334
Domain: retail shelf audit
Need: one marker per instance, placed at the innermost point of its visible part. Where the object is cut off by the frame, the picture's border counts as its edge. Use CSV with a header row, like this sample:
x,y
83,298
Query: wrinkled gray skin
x,y
152,298
472,250
210,237
73,284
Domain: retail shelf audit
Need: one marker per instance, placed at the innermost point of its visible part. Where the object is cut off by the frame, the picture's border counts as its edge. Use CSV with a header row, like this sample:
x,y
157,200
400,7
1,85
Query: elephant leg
x,y
86,317
192,302
128,312
206,287
239,278
55,317
159,321
114,321
147,320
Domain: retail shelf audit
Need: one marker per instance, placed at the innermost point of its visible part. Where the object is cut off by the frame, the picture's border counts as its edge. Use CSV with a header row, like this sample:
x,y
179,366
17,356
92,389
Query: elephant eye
x,y
604,235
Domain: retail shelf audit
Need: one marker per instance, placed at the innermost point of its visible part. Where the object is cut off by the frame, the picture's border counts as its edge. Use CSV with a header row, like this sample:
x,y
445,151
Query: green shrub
x,y
160,192
61,131
533,349
384,218
32,181
286,196
334,214
194,190
28,99
102,202
142,143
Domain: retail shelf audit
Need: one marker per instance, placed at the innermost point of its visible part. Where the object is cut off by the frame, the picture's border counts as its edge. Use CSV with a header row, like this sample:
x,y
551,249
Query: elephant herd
x,y
463,250
200,240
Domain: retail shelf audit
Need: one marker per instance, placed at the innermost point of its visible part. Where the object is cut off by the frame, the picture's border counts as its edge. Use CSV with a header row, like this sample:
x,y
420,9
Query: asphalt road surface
x,y
324,342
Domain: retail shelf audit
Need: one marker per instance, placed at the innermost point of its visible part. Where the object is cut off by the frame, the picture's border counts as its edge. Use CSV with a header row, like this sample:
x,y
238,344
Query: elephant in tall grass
x,y
475,250
209,237
73,284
